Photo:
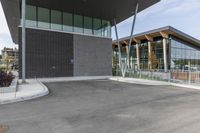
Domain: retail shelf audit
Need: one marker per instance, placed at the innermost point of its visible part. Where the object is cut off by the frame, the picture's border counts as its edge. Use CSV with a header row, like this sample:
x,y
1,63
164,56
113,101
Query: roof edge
x,y
170,28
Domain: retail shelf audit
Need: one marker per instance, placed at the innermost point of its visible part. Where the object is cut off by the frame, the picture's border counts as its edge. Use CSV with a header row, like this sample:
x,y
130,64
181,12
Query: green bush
x,y
2,68
6,78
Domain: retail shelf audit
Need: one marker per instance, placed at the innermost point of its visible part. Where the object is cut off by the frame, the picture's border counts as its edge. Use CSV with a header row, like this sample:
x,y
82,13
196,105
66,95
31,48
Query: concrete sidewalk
x,y
32,89
152,82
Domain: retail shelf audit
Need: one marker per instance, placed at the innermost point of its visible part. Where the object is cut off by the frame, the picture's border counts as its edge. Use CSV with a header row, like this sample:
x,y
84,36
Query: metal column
x,y
131,36
138,56
124,66
23,15
119,48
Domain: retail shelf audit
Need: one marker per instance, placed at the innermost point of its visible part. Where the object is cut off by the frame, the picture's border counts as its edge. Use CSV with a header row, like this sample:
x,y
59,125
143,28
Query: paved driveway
x,y
103,106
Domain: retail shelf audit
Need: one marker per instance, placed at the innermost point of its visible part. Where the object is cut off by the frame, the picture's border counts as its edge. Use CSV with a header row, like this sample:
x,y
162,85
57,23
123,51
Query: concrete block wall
x,y
58,54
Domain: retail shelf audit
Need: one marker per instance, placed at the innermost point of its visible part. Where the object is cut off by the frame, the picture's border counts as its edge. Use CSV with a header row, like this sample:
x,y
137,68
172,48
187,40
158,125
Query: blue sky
x,y
181,14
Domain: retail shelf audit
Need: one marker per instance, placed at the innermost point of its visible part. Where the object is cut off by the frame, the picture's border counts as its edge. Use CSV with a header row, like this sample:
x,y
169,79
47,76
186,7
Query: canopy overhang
x,y
104,9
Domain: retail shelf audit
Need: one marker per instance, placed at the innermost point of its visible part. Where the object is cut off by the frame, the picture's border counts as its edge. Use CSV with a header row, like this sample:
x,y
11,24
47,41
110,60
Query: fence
x,y
184,77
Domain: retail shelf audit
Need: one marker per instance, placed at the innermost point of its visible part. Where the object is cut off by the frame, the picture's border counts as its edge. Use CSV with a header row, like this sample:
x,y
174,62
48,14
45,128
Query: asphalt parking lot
x,y
103,106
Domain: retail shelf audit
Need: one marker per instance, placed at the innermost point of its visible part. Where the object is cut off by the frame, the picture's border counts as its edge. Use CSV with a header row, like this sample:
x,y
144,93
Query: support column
x,y
149,55
126,65
128,60
131,36
118,44
23,11
138,56
165,54
165,36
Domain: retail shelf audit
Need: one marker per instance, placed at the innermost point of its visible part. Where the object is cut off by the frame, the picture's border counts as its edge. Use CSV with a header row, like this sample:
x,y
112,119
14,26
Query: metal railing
x,y
174,76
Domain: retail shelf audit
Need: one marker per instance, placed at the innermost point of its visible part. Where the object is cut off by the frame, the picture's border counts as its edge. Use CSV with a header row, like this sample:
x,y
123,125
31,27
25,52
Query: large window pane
x,y
106,28
56,20
31,16
78,23
143,49
67,22
88,25
109,29
43,18
97,27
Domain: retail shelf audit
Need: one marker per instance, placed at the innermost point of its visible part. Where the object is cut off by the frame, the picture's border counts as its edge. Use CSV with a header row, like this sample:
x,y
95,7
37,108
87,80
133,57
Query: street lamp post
x,y
23,46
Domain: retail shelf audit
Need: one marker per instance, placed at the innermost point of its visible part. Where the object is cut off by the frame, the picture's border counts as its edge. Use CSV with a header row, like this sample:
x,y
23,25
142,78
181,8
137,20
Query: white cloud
x,y
181,14
3,25
172,8
5,38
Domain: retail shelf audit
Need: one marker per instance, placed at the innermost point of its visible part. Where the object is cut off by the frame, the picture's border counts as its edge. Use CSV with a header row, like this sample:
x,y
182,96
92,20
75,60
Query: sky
x,y
183,15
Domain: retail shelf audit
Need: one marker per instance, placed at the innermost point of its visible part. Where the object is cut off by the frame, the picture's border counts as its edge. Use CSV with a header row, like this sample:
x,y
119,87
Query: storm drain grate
x,y
3,128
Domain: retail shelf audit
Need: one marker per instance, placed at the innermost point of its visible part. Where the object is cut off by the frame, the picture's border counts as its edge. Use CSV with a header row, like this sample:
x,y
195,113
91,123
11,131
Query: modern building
x,y
10,57
160,50
66,37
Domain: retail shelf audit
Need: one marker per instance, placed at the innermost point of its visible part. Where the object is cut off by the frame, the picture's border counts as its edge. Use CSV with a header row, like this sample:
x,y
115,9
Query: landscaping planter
x,y
11,88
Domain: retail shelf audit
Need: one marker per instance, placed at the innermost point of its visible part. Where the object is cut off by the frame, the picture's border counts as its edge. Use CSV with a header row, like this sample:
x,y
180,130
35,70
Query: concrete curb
x,y
65,79
44,93
139,81
28,97
152,82
186,86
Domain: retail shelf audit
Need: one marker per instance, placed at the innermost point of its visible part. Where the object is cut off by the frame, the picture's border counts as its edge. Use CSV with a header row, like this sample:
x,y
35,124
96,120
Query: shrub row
x,y
6,78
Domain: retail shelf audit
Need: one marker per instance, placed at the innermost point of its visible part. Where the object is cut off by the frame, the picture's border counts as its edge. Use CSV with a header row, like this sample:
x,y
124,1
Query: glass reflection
x,y
62,21
184,56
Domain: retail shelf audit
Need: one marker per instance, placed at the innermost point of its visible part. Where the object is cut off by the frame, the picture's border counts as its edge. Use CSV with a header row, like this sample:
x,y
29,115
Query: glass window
x,y
188,54
185,55
173,53
192,54
78,23
56,20
106,28
43,18
31,16
67,22
173,43
88,25
97,27
109,29
143,49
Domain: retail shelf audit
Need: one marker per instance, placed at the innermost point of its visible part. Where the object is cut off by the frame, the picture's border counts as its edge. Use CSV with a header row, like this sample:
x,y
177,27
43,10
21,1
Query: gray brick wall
x,y
92,56
48,54
56,54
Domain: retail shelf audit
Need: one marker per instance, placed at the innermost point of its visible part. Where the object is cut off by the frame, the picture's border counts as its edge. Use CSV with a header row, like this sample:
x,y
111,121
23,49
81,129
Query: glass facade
x,y
133,57
180,55
43,18
62,21
78,24
156,56
184,56
143,54
56,20
88,25
67,22
31,16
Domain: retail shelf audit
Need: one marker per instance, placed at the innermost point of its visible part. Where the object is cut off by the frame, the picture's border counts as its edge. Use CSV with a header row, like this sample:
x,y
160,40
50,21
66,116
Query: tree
x,y
153,61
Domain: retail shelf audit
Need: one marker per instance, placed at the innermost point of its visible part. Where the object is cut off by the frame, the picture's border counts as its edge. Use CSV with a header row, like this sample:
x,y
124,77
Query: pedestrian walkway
x,y
30,90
